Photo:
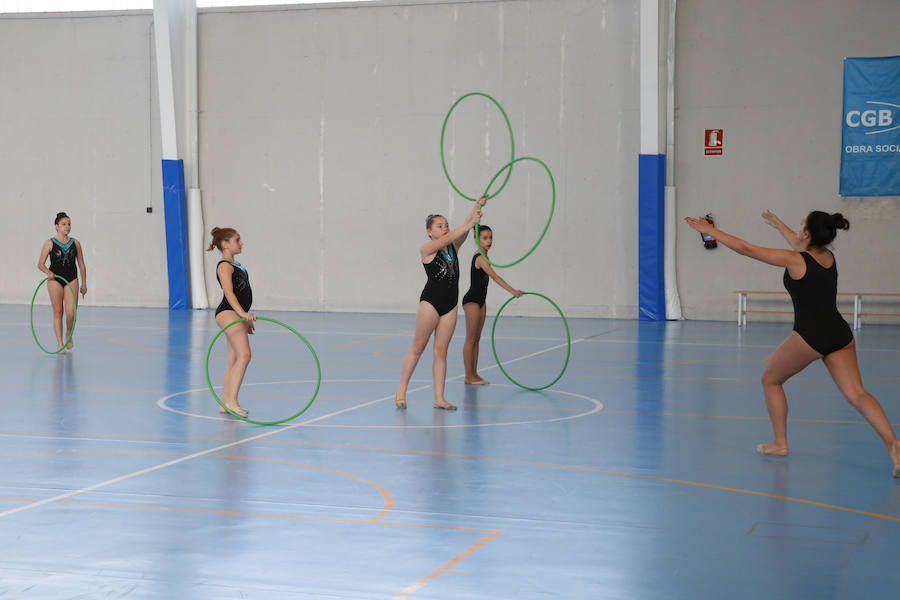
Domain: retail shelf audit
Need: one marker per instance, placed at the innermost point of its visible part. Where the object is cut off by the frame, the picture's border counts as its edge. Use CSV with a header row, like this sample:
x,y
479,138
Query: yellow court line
x,y
609,472
736,417
445,568
77,388
371,339
386,508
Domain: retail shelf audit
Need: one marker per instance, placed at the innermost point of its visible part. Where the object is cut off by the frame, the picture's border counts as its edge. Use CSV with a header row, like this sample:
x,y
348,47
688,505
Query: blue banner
x,y
870,140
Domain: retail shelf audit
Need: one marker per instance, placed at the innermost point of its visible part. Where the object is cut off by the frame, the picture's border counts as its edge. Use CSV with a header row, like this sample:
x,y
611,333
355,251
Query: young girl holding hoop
x,y
236,300
64,252
810,276
474,305
438,302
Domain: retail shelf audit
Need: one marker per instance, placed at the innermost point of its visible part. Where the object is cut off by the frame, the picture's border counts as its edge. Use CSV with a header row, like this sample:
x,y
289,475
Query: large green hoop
x,y
248,420
549,217
512,146
74,313
568,342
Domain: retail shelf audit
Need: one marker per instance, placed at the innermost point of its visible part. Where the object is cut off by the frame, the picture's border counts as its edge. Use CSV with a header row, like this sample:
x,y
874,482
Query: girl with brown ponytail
x,y
236,300
820,332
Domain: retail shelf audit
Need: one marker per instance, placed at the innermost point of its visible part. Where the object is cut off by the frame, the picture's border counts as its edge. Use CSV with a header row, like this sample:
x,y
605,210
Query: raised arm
x,y
789,259
81,268
42,259
786,232
454,236
486,267
473,217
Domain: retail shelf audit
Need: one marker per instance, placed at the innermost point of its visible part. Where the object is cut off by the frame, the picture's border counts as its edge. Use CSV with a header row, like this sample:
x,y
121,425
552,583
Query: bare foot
x,y
235,409
477,381
444,405
61,349
70,345
772,448
400,402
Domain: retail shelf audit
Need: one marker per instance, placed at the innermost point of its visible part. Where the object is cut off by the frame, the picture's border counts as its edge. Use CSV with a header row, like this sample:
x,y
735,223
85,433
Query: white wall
x,y
319,135
319,139
770,73
75,117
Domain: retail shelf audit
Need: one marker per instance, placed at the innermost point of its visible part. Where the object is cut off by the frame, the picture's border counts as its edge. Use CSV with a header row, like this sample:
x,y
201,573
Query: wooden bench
x,y
857,313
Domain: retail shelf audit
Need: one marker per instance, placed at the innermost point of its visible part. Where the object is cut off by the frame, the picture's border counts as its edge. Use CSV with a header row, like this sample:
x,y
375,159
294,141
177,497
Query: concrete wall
x,y
320,134
770,74
76,112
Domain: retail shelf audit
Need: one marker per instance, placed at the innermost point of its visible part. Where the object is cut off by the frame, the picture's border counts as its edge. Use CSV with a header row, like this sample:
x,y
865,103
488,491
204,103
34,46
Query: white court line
x,y
236,443
189,457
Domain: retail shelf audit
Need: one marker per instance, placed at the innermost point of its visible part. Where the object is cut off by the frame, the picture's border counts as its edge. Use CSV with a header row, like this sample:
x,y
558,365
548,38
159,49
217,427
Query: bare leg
x,y
844,370
479,380
791,357
56,304
232,360
426,321
442,336
470,346
70,305
238,360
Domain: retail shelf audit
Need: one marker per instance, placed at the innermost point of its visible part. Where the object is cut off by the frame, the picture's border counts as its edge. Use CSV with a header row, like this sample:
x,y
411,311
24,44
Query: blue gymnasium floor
x,y
634,477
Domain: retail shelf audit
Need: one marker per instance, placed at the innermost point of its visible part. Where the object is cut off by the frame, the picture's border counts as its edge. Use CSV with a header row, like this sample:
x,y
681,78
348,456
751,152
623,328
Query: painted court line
x,y
184,458
232,444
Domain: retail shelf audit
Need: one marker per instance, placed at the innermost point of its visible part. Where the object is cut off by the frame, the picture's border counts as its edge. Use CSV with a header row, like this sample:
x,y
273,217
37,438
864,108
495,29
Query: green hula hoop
x,y
512,146
568,342
549,217
248,420
74,313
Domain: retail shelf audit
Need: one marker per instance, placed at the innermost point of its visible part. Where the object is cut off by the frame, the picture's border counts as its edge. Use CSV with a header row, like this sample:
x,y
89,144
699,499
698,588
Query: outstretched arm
x,y
486,267
786,232
773,256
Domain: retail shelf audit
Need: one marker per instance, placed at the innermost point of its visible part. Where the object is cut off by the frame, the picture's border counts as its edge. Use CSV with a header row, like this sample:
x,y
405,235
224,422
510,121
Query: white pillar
x,y
175,24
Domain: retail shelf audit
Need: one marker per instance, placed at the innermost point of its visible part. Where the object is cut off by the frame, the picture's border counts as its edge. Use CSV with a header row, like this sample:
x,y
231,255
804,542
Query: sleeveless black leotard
x,y
240,283
816,316
478,287
442,288
63,260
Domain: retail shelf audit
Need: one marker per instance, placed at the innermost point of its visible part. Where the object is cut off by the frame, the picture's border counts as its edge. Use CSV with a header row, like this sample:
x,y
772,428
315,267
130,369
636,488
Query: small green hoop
x,y
74,313
549,217
512,146
248,420
568,342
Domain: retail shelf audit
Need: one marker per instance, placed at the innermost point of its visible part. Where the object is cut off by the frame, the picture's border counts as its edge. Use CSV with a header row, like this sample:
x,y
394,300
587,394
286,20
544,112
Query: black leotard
x,y
442,288
240,283
478,288
63,260
816,316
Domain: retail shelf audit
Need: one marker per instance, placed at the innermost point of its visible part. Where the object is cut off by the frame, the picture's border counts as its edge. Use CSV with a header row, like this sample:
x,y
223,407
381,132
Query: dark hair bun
x,y
59,217
839,221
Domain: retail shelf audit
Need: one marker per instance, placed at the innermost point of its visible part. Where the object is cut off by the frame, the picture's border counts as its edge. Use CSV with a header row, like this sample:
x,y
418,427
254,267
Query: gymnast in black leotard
x,y
819,330
66,259
474,304
437,303
236,300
